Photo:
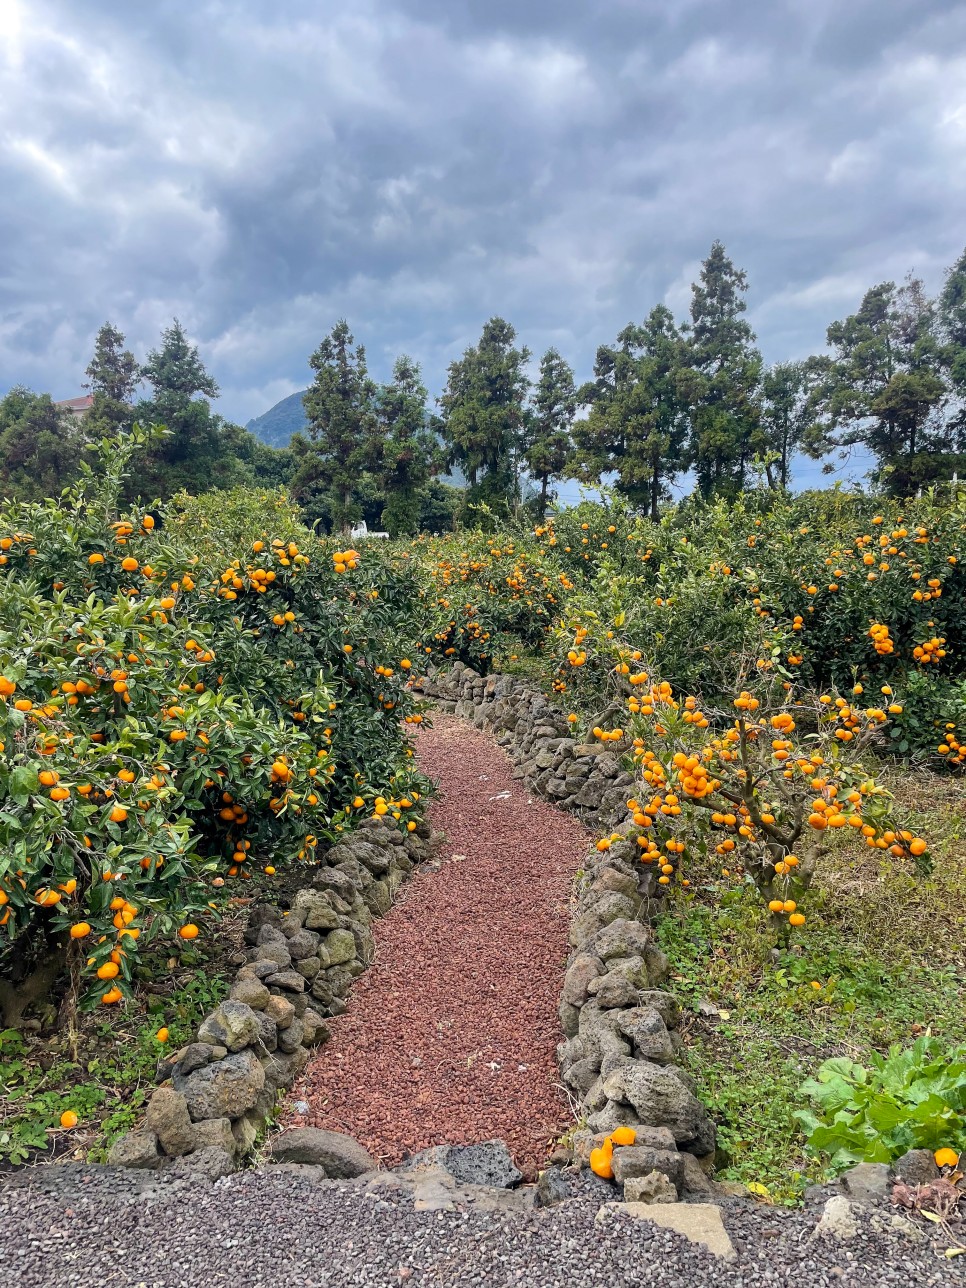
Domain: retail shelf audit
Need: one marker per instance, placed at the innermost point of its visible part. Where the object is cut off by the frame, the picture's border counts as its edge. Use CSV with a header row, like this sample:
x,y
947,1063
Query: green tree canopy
x,y
485,413
408,451
637,424
199,451
725,371
40,446
548,440
952,324
112,377
785,417
341,438
883,387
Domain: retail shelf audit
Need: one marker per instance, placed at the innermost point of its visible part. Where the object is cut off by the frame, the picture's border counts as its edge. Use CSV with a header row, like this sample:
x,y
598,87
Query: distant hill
x,y
277,425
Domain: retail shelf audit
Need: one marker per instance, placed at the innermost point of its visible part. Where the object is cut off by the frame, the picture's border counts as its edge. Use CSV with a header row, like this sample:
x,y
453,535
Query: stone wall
x,y
621,1029
219,1090
620,1026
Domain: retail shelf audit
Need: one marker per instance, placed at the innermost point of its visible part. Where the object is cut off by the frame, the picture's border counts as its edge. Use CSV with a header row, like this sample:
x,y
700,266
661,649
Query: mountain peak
x,y
276,426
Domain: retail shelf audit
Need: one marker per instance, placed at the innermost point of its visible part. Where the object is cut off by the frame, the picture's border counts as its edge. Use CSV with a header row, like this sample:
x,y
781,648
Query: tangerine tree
x,y
171,713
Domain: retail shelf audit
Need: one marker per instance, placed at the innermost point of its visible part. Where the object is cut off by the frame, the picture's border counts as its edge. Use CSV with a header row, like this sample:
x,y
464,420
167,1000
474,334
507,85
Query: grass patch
x,y
882,961
103,1067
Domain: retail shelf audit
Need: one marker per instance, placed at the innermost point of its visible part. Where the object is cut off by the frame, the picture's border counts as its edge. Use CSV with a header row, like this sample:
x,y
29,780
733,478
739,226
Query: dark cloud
x,y
416,165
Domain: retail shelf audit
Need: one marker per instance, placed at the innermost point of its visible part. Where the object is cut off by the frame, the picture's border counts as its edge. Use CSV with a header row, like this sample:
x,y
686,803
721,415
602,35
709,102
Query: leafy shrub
x,y
932,718
171,710
912,1098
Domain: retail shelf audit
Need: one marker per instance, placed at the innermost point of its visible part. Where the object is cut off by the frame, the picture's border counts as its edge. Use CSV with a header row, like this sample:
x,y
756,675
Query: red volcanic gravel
x,y
450,1036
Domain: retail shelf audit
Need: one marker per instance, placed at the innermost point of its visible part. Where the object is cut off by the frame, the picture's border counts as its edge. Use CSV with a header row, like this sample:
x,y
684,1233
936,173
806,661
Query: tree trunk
x,y
17,998
655,494
544,489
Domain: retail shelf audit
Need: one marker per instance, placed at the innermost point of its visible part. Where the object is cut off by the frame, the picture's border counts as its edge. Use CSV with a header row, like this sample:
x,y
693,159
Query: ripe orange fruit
x,y
623,1136
80,930
189,931
162,1035
601,1162
68,1119
47,898
110,970
111,996
129,564
118,814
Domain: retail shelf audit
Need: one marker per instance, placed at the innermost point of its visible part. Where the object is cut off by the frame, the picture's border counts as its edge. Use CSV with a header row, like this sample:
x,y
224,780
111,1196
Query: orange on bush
x,y
189,931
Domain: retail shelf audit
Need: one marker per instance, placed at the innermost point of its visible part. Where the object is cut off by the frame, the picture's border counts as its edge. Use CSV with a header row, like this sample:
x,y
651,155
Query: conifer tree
x,y
342,428
485,413
638,417
112,377
723,383
548,433
408,451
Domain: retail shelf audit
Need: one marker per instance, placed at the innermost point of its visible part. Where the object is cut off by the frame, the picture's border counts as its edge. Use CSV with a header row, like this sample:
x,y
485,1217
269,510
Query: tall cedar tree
x,y
112,377
725,371
883,388
785,417
637,425
952,321
408,452
197,452
40,446
548,433
485,413
340,406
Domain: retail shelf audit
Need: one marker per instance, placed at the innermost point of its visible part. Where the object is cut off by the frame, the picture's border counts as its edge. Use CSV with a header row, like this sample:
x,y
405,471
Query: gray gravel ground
x,y
97,1228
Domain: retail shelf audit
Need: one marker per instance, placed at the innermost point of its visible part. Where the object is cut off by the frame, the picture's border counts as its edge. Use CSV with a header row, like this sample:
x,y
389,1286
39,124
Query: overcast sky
x,y
418,165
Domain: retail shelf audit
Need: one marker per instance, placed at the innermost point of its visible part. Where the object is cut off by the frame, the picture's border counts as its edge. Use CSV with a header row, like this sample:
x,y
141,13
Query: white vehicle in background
x,y
362,532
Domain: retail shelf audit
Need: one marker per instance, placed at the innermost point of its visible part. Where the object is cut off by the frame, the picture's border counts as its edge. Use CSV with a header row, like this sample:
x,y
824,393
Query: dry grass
x,y
881,900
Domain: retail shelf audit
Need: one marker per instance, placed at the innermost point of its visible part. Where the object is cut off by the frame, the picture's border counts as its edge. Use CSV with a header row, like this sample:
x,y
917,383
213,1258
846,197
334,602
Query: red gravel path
x,y
450,1035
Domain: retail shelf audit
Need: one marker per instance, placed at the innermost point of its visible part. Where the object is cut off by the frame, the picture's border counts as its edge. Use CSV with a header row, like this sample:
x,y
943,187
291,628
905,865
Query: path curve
x,y
450,1036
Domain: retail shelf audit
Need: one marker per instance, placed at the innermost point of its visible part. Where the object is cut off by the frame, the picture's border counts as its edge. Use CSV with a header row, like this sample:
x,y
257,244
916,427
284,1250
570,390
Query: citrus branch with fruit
x,y
760,787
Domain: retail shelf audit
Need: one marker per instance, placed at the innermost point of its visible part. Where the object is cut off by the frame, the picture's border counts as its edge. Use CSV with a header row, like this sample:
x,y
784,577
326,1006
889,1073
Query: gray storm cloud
x,y
415,167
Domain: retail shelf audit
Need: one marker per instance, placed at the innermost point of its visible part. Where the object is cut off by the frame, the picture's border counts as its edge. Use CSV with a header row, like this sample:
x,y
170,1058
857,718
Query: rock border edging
x,y
621,1029
219,1091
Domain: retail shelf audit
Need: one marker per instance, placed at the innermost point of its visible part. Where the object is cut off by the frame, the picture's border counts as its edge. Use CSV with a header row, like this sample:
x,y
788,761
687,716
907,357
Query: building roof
x,y
82,403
